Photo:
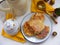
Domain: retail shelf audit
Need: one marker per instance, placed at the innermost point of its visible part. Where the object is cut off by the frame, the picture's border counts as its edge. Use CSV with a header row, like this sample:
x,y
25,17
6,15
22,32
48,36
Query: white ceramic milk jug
x,y
11,27
18,7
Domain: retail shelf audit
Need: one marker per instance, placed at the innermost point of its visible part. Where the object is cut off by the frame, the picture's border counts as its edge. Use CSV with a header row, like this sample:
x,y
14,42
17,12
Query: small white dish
x,y
34,39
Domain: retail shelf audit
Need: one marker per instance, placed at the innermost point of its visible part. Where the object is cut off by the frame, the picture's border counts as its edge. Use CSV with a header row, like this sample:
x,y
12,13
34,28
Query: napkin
x,y
49,8
18,37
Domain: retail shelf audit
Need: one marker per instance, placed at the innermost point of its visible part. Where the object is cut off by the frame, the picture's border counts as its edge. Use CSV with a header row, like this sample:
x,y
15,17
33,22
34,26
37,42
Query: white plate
x,y
34,39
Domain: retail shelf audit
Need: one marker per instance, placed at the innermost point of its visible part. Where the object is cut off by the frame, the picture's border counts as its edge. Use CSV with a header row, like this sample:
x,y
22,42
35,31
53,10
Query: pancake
x,y
38,16
27,30
44,33
36,25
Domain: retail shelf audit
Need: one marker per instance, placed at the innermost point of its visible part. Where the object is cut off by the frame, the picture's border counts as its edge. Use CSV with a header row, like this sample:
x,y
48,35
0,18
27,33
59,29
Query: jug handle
x,y
4,9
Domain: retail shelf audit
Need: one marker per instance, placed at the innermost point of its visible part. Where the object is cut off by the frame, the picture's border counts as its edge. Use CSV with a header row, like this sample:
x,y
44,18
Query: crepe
x,y
27,30
39,16
44,33
35,26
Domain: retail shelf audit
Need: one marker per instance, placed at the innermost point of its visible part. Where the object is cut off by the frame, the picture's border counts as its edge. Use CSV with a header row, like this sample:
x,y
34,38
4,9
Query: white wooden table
x,y
51,41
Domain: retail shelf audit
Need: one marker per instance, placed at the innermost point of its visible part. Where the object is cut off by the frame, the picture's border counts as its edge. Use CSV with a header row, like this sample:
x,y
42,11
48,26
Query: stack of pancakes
x,y
35,26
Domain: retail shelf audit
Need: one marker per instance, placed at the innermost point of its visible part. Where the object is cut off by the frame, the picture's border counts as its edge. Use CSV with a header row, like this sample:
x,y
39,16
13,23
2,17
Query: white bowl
x,y
11,27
